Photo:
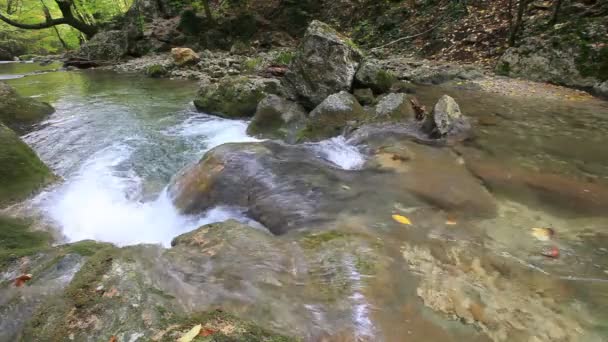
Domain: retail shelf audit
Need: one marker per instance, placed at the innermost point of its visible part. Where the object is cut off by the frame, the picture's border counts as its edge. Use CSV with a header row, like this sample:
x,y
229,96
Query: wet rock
x,y
372,75
236,96
447,119
365,96
184,56
436,175
332,116
325,63
601,89
283,187
458,282
277,118
19,112
393,107
21,171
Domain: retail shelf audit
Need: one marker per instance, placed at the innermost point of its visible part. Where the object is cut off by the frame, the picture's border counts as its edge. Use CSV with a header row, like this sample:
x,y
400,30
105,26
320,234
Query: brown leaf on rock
x,y
22,279
113,339
207,332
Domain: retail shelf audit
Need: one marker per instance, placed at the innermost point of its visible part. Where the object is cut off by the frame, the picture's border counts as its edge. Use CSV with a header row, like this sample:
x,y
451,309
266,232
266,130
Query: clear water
x,y
117,140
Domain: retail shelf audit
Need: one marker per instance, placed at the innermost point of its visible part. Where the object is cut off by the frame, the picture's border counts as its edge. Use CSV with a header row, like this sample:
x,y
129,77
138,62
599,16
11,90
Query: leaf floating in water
x,y
543,234
402,219
22,279
552,252
190,335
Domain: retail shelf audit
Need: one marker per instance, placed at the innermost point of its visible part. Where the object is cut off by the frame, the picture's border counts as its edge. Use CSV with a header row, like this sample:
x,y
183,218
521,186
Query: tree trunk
x,y
558,5
208,13
517,27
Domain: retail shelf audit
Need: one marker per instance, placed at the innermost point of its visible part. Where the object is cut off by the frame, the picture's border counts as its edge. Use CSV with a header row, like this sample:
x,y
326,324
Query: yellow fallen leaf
x,y
542,234
190,335
451,222
402,219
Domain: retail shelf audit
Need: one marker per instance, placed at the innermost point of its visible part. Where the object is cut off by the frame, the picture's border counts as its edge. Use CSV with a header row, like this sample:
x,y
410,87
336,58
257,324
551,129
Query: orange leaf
x,y
207,332
22,279
113,339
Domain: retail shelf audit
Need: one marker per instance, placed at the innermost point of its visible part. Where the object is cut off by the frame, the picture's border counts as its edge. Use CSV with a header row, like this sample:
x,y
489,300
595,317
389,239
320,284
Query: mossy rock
x,y
17,240
21,171
156,71
20,112
235,97
371,75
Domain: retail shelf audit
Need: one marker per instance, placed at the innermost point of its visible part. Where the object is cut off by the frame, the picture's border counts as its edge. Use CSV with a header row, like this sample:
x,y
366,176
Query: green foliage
x,y
46,41
156,71
16,240
284,57
251,65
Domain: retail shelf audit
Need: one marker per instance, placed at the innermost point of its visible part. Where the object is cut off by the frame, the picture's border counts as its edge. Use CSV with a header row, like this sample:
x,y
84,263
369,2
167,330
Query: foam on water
x,y
103,199
338,151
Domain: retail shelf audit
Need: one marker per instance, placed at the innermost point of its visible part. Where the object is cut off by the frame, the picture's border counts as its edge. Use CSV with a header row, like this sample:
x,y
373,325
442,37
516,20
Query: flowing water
x,y
117,140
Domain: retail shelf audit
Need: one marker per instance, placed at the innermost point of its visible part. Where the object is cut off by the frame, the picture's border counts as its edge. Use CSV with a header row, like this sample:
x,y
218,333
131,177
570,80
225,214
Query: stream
x,y
117,140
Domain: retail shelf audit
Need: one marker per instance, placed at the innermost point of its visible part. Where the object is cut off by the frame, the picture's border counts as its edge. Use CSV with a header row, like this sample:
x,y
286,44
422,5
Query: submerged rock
x,y
332,116
21,171
447,119
325,63
18,112
234,97
277,118
372,75
184,56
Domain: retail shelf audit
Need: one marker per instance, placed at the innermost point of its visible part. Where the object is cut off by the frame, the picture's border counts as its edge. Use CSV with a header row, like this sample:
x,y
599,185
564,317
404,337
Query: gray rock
x,y
372,75
277,118
394,107
545,60
325,63
235,96
447,119
105,46
601,89
332,116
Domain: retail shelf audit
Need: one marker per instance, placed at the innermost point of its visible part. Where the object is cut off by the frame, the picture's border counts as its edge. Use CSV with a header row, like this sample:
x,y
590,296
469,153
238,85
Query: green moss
x,y
156,71
85,247
503,68
18,112
21,171
252,65
81,290
284,58
384,81
316,240
16,240
233,98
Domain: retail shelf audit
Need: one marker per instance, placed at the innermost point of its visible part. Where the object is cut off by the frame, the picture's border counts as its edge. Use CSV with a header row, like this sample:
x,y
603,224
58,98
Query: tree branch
x,y
47,24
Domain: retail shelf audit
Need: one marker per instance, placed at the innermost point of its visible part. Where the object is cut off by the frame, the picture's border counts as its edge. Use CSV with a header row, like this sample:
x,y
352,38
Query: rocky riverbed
x,y
311,194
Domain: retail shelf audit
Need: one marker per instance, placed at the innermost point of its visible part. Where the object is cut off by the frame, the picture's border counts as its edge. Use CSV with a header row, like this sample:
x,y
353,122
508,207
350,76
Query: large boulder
x,y
105,46
277,118
234,97
19,112
447,119
332,116
325,63
372,75
21,171
556,60
184,56
283,187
